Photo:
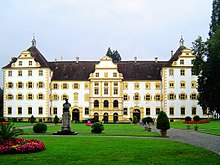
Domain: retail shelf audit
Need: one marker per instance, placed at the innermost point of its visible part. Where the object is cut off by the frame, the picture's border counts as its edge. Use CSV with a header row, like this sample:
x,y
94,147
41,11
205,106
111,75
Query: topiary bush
x,y
187,119
162,121
56,119
97,127
135,120
32,119
40,127
147,120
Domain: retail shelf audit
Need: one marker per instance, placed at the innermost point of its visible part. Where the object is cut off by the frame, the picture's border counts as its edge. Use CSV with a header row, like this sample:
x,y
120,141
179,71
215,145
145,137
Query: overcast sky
x,y
86,28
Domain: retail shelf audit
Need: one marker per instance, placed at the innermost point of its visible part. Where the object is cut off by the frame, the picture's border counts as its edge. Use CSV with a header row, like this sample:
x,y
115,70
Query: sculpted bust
x,y
66,106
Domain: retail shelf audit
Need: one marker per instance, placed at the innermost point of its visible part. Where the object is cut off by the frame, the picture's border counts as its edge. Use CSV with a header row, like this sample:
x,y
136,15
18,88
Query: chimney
x,y
156,58
135,59
77,60
171,53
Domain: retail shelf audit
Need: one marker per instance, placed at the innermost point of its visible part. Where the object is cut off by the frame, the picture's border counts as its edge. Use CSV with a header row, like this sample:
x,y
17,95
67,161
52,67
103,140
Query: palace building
x,y
113,91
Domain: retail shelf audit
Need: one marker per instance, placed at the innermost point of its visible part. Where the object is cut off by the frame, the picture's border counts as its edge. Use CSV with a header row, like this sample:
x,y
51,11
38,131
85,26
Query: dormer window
x,y
20,63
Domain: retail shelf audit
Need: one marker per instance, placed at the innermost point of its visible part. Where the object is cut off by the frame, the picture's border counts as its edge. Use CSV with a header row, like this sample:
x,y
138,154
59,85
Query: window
x,y
40,96
125,97
9,110
86,111
65,86
29,85
19,96
40,84
171,110
10,85
64,97
193,84
76,86
171,73
115,91
30,73
114,74
20,85
55,97
182,96
115,103
96,74
30,63
147,97
20,63
75,96
181,62
29,110
182,110
106,84
193,110
96,91
86,86
193,96
136,96
29,96
171,84
125,85
40,110
96,84
106,74
193,73
115,84
171,96
192,62
55,110
19,110
55,86
147,86
106,104
10,97
96,103
182,72
157,111
40,73
157,97
136,86
125,111
147,111
19,73
182,84
157,85
105,91
9,73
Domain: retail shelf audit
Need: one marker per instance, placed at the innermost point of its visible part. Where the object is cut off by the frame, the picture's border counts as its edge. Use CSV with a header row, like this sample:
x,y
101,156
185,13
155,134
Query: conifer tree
x,y
113,54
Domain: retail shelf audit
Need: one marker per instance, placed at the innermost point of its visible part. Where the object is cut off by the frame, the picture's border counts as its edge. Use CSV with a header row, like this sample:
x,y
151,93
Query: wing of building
x,y
110,91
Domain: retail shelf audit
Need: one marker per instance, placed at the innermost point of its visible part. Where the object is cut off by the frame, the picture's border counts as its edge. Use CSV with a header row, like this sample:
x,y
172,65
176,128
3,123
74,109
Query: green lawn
x,y
109,130
112,150
213,127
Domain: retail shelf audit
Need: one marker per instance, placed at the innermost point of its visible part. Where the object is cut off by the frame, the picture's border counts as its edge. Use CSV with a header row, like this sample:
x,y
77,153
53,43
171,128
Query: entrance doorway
x,y
75,115
115,117
96,117
136,112
105,118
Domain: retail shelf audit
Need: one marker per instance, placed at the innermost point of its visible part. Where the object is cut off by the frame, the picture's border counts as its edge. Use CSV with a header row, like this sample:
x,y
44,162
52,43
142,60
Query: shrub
x,y
97,127
135,120
147,120
56,119
196,119
162,121
40,127
8,131
32,119
187,119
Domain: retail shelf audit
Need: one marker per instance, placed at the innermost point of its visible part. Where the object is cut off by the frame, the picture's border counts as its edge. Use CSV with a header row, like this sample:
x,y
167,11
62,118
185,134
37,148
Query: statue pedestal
x,y
66,126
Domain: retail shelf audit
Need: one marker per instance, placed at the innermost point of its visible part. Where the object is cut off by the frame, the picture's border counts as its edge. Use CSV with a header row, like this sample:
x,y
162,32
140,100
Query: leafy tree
x,y
113,54
1,102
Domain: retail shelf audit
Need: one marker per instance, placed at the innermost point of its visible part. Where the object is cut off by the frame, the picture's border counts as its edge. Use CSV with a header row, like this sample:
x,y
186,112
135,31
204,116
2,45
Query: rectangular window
x,y
125,97
20,63
157,111
30,85
40,96
55,110
10,85
115,84
40,110
171,73
182,111
40,84
96,84
125,111
76,86
105,91
157,85
96,91
30,63
171,96
193,110
9,73
30,96
125,85
55,86
9,110
114,74
86,86
171,84
171,111
136,97
106,84
182,72
20,85
193,73
182,96
96,74
55,97
147,98
181,62
19,73
86,111
157,98
182,84
19,110
29,110
40,73
30,73
136,86
20,96
115,91
64,85
147,111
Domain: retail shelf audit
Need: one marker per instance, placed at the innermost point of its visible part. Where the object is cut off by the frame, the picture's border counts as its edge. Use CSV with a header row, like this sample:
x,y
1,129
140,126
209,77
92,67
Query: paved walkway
x,y
207,141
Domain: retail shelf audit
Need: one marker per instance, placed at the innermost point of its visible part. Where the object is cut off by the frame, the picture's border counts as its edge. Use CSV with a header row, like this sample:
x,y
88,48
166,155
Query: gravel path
x,y
207,141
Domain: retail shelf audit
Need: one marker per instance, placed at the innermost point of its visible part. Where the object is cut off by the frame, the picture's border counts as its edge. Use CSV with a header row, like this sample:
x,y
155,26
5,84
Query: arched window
x,y
106,103
96,103
115,103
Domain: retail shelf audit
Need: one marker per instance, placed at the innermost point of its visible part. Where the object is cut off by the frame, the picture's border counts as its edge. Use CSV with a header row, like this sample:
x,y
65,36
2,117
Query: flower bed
x,y
193,122
21,146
